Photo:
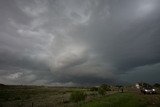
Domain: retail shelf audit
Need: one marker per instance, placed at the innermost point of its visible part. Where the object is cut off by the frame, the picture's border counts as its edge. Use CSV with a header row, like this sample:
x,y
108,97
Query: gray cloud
x,y
79,42
146,73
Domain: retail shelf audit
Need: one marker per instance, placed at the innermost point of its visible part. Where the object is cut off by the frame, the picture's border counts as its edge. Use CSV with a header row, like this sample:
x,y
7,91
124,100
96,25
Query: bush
x,y
94,89
77,96
156,85
105,87
101,91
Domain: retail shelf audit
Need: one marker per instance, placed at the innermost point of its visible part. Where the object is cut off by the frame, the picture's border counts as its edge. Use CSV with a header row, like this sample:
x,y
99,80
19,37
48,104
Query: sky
x,y
79,42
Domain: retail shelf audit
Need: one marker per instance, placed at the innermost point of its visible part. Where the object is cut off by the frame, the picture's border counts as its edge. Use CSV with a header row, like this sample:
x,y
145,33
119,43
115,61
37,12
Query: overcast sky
x,y
79,42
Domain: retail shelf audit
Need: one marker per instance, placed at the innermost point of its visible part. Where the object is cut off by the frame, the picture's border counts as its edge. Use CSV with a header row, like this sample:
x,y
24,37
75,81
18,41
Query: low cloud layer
x,y
79,42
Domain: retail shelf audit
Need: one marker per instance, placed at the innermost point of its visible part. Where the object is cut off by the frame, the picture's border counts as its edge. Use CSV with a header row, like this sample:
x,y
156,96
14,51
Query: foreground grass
x,y
40,96
117,100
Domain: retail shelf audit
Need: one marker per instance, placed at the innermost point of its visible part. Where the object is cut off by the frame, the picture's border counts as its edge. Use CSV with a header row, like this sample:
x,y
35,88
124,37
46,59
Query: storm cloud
x,y
79,42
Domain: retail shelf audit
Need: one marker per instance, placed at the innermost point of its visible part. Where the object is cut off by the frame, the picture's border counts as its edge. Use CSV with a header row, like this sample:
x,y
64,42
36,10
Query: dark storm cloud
x,y
78,41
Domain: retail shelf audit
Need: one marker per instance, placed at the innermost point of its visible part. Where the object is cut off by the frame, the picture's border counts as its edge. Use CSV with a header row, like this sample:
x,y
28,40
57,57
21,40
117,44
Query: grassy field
x,y
130,98
41,96
117,100
36,96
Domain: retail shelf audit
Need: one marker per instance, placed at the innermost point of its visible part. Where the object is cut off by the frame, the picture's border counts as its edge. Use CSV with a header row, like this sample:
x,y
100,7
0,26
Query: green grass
x,y
24,96
117,100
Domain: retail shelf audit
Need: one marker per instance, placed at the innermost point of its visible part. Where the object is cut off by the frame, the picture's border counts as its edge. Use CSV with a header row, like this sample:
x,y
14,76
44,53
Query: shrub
x,y
94,89
105,87
156,85
77,96
101,91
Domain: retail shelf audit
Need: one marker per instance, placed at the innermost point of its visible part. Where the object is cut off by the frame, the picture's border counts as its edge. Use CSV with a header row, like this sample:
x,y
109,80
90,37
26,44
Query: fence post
x,y
32,104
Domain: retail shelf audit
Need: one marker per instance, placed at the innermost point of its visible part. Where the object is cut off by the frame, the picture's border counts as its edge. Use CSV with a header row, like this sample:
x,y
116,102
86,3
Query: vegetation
x,y
77,96
101,91
93,89
43,96
156,85
117,100
105,87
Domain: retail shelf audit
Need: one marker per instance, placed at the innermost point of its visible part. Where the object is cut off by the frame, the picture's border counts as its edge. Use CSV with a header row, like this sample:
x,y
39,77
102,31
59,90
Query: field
x,y
125,100
43,96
